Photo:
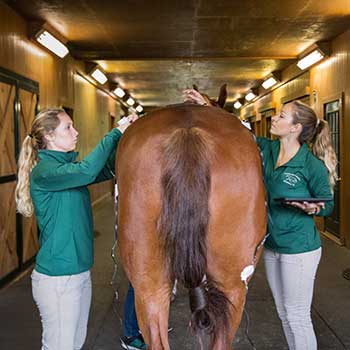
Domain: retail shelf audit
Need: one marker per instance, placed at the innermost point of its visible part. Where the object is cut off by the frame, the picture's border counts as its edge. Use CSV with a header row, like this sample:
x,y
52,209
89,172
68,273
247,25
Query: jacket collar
x,y
297,161
61,157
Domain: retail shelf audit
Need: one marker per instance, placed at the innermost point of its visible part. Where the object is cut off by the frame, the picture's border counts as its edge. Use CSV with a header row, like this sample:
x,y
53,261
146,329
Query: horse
x,y
192,208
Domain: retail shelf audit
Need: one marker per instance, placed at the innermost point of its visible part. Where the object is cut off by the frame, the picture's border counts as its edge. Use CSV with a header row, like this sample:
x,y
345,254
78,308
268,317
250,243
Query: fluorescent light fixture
x,y
130,101
139,108
50,42
237,105
269,82
99,76
250,95
119,92
310,59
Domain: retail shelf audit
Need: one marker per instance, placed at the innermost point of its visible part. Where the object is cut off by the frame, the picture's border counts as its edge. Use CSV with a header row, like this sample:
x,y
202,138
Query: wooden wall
x,y
331,80
60,85
290,90
93,109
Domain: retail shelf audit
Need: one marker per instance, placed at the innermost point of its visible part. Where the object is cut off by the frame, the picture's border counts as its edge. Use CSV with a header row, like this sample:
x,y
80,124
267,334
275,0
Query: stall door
x,y
8,234
332,116
19,98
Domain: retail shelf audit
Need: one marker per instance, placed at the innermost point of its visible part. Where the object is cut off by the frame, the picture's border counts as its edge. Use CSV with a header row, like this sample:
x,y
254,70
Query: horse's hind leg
x,y
237,296
153,314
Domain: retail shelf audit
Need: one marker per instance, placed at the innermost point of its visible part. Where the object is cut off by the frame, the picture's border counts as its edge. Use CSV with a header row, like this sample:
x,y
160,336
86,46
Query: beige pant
x,y
64,304
291,278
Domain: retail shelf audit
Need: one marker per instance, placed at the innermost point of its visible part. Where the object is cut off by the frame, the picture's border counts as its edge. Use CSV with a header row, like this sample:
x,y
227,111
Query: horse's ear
x,y
222,96
195,87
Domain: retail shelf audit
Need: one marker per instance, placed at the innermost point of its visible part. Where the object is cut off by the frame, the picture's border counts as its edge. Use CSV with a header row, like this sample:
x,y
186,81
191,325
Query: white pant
x,y
64,304
291,278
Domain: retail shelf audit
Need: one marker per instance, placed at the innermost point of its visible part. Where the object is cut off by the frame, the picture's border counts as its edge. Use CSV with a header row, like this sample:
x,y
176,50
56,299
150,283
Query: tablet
x,y
304,199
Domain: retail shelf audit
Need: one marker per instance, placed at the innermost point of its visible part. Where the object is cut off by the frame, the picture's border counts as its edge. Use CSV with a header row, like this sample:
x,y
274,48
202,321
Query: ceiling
x,y
155,49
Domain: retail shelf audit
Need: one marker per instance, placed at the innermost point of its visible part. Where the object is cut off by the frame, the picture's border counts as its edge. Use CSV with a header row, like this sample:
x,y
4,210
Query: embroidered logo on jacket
x,y
291,179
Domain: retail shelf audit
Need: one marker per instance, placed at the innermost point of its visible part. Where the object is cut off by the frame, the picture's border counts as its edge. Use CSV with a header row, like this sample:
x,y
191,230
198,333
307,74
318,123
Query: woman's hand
x,y
191,95
126,122
307,207
123,123
132,117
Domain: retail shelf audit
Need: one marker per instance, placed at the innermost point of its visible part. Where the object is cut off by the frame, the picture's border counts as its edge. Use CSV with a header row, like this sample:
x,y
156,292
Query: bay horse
x,y
192,208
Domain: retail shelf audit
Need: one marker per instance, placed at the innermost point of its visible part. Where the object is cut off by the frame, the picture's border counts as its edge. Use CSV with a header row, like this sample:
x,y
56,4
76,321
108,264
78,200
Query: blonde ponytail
x,y
44,123
316,134
322,148
28,158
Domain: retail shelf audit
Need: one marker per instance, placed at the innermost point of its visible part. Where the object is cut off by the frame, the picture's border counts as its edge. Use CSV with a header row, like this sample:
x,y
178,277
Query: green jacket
x,y
290,229
58,187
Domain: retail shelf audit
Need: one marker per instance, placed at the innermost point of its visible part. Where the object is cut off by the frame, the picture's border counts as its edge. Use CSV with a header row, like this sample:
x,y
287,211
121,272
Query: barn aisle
x,y
20,324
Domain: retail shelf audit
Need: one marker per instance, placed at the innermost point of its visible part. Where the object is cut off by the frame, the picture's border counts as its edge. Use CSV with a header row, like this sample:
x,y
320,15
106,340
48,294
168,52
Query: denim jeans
x,y
131,327
64,305
291,278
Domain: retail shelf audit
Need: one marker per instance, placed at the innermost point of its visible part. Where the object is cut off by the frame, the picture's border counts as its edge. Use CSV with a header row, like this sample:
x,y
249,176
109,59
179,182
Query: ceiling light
x,y
99,75
272,79
310,59
53,44
119,92
130,101
139,108
237,105
269,82
314,54
251,94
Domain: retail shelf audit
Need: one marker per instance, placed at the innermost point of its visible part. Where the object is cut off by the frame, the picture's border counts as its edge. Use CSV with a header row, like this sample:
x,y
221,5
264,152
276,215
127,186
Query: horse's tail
x,y
183,223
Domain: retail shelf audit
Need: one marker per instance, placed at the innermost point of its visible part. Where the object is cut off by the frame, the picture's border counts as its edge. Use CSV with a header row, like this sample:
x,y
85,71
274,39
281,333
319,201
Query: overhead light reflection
x,y
130,101
99,76
50,42
310,59
119,92
237,105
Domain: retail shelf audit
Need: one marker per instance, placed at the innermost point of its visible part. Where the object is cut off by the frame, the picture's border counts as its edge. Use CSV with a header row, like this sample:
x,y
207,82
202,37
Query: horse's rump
x,y
192,208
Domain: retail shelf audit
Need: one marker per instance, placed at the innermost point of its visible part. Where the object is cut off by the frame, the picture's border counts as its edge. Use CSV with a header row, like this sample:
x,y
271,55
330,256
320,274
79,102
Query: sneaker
x,y
133,343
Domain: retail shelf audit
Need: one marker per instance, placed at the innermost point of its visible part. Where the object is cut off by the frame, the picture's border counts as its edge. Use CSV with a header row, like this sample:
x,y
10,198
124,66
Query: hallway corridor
x,y
20,324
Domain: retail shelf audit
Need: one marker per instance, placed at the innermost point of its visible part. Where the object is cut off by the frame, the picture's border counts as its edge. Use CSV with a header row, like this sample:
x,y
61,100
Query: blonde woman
x,y
301,163
53,185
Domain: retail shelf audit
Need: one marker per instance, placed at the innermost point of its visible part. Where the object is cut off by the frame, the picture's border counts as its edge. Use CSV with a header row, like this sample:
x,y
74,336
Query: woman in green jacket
x,y
301,163
53,184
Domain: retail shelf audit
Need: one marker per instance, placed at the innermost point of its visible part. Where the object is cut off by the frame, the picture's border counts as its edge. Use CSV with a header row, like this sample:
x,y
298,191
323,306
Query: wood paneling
x,y
58,87
28,102
8,242
292,90
92,107
8,245
7,139
329,81
57,81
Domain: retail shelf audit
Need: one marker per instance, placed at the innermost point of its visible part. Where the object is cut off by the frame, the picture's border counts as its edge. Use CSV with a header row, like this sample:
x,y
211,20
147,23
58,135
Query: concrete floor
x,y
20,324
